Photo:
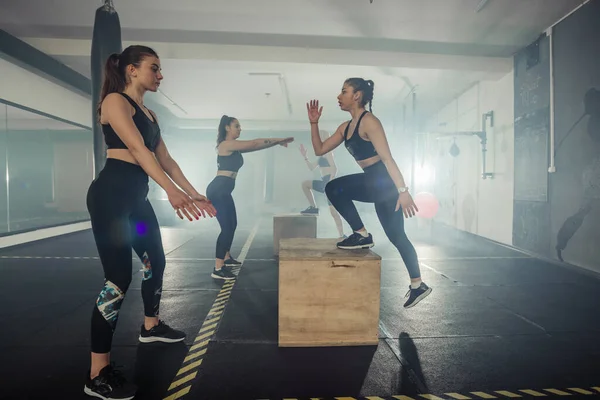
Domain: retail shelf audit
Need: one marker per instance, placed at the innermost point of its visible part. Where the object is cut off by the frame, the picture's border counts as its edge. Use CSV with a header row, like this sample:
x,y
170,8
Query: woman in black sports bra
x,y
328,169
229,162
381,181
121,215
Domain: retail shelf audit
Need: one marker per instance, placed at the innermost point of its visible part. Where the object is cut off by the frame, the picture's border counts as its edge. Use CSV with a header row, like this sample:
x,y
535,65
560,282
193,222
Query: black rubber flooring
x,y
499,324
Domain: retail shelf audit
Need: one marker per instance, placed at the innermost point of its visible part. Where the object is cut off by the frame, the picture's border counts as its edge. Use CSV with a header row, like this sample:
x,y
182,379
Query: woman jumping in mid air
x,y
328,170
381,181
229,162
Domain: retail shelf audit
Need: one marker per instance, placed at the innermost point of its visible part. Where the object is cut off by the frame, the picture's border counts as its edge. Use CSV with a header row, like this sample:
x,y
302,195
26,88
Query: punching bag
x,y
105,41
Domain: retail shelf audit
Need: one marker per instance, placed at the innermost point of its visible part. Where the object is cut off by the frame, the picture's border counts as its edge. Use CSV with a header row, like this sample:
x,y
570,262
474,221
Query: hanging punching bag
x,y
105,41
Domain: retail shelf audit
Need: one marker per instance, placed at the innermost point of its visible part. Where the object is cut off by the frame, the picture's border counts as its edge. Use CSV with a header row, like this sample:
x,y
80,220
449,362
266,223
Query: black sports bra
x,y
359,148
232,162
148,128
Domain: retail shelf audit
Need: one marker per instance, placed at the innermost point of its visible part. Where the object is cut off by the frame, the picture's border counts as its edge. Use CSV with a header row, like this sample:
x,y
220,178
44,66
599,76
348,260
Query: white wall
x,y
28,89
467,202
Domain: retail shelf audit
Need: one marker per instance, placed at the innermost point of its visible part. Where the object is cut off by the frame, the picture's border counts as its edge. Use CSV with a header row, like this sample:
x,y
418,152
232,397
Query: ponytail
x,y
222,131
369,95
114,79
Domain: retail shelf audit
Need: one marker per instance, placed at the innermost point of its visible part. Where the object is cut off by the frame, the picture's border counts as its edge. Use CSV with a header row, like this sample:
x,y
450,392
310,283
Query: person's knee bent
x,y
111,298
331,189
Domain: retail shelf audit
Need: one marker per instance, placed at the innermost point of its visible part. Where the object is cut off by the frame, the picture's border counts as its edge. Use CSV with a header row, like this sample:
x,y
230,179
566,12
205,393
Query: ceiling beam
x,y
36,60
287,54
369,40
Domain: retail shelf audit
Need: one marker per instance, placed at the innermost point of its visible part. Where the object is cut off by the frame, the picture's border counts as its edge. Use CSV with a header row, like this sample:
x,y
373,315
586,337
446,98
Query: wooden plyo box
x,y
327,296
293,226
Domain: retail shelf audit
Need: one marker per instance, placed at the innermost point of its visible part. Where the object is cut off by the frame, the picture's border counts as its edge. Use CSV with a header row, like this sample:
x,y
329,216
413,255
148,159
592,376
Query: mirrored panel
x,y
47,165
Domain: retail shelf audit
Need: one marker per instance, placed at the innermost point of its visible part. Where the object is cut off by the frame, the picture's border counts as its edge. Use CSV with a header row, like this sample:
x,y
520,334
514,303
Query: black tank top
x,y
359,148
148,128
232,162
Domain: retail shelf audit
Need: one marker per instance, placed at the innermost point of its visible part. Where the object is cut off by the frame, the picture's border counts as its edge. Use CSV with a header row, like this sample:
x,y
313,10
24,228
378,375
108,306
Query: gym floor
x,y
498,324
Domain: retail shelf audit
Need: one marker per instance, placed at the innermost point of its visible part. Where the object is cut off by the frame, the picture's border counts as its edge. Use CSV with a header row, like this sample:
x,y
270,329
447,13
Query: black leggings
x,y
219,193
374,185
122,218
319,186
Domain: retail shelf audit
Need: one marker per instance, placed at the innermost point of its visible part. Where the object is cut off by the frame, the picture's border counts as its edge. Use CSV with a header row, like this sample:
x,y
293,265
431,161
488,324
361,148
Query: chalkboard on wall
x,y
532,122
531,156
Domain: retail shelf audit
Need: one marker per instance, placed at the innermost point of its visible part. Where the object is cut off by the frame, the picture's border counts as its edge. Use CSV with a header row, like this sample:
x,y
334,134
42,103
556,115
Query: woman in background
x,y
229,162
328,170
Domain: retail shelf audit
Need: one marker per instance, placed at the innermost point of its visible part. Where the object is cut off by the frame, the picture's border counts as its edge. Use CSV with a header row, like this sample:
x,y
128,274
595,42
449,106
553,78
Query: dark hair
x,y
225,121
114,69
366,87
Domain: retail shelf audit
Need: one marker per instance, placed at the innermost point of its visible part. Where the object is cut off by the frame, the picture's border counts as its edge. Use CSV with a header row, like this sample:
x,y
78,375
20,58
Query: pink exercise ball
x,y
427,204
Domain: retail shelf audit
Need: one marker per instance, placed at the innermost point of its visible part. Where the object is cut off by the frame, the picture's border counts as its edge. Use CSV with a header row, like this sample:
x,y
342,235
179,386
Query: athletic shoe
x,y
416,295
310,211
356,241
223,273
231,262
110,384
161,333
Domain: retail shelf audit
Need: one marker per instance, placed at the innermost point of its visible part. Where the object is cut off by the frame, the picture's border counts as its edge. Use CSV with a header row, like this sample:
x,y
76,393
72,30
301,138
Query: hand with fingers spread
x,y
204,205
303,151
183,204
314,112
409,208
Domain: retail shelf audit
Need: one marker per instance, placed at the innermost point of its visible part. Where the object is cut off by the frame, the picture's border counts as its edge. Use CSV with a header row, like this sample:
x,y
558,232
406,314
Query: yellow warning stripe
x,y
582,391
484,395
199,348
558,392
183,380
194,355
497,394
506,393
457,396
189,367
179,394
192,362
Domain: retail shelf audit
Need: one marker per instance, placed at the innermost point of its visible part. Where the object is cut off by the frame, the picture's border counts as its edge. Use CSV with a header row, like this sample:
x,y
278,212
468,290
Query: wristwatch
x,y
403,189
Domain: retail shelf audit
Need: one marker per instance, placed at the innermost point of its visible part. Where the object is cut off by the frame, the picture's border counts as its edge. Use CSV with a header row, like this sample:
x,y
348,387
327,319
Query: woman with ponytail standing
x,y
229,162
121,215
381,181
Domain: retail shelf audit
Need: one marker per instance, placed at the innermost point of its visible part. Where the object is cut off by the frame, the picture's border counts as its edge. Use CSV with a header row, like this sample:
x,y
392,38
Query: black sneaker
x,y
161,333
223,273
356,241
109,384
416,295
310,211
231,262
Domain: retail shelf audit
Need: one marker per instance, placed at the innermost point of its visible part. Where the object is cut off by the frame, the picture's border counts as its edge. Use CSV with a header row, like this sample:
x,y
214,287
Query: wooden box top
x,y
321,249
290,215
